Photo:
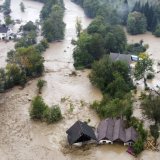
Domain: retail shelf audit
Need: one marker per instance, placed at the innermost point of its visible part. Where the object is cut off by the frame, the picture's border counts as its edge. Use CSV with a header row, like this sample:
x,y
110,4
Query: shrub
x,y
52,114
138,146
37,108
40,84
150,76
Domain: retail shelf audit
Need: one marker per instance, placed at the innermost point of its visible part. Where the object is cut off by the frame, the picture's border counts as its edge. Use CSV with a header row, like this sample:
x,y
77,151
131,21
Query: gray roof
x,y
105,129
120,57
131,134
80,132
3,29
119,131
114,130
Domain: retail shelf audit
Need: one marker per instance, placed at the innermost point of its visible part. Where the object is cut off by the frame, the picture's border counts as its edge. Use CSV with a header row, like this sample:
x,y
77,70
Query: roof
x,y
105,129
114,129
120,57
131,134
119,131
3,29
78,130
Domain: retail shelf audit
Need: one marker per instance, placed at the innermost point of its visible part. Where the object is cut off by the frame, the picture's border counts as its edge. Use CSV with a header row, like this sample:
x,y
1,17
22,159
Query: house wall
x,y
3,36
105,142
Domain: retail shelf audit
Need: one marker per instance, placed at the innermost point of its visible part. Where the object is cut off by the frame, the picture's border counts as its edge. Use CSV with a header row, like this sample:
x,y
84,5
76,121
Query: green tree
x,y
154,129
37,108
40,84
106,74
150,107
143,66
138,146
22,7
53,27
78,26
157,31
52,114
8,20
136,23
29,26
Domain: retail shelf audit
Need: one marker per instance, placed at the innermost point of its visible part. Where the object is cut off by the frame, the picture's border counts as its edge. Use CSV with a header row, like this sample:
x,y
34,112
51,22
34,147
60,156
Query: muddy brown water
x,y
23,139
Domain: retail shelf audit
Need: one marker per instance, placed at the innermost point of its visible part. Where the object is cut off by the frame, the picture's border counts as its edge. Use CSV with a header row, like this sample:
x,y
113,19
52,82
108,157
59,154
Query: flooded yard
x,y
23,139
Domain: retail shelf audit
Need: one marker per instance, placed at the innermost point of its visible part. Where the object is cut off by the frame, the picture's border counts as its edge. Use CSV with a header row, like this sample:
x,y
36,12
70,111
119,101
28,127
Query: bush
x,y
40,111
40,84
52,114
157,31
138,146
38,108
150,76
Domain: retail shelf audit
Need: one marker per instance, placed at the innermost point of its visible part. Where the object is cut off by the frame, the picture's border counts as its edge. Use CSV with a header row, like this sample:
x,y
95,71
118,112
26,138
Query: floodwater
x,y
23,139
4,48
32,10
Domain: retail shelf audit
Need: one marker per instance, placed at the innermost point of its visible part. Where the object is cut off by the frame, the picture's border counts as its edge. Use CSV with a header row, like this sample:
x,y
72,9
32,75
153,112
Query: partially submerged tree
x,y
78,26
136,23
40,84
154,129
151,107
143,66
22,7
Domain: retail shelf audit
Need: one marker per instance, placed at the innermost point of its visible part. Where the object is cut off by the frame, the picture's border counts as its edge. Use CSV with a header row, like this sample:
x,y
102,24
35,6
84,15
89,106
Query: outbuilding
x,y
80,132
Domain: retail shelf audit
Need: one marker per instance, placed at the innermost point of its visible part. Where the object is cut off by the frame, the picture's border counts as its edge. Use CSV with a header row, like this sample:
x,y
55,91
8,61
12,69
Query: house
x,y
105,131
113,130
131,136
120,57
3,32
80,132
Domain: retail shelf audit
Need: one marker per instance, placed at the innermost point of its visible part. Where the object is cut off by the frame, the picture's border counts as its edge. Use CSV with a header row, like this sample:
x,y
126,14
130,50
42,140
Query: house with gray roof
x,y
113,130
80,132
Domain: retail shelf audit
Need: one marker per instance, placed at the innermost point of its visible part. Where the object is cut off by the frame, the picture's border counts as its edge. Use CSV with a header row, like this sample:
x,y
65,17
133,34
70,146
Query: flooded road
x,y
23,139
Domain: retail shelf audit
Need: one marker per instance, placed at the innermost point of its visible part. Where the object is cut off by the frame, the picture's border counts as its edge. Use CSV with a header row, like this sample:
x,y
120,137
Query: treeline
x,y
52,19
25,62
100,39
142,15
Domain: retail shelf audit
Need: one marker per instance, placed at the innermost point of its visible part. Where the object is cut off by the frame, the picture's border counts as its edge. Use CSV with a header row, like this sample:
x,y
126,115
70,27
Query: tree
x,y
29,26
138,146
37,108
106,74
30,61
53,27
157,31
154,132
136,23
8,20
143,66
40,84
78,26
52,114
22,7
150,107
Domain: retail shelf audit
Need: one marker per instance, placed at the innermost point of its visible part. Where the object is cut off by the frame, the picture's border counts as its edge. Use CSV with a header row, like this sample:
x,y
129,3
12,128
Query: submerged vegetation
x,y
40,111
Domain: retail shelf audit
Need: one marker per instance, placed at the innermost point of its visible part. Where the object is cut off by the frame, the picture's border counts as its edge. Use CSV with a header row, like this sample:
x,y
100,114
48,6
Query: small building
x,y
80,132
113,130
105,131
120,57
131,136
3,32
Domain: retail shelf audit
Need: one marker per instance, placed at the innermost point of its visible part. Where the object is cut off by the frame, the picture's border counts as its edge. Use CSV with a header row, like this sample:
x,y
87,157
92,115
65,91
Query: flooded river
x,y
23,139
